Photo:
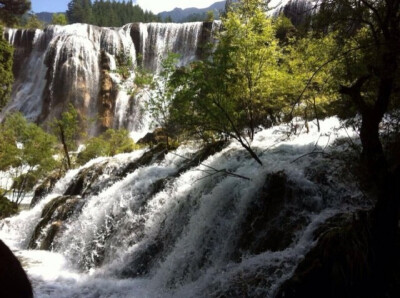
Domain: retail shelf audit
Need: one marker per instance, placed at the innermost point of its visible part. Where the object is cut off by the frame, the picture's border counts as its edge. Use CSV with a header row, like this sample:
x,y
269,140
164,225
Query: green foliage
x,y
241,87
107,13
311,83
26,152
124,64
7,208
109,143
6,74
33,22
284,29
68,131
59,19
209,16
11,10
80,11
168,19
161,98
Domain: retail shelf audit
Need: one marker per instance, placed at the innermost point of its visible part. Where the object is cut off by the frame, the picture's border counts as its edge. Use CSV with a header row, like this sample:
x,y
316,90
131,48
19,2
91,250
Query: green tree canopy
x,y
59,19
33,22
10,10
26,152
80,11
110,143
241,87
68,131
6,74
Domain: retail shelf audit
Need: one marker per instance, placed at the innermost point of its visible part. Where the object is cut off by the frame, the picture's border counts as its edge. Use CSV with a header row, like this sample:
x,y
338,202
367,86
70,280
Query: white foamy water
x,y
62,64
161,232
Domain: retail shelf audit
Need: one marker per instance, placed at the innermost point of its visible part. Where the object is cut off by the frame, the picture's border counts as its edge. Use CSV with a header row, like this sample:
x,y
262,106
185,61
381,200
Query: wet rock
x,y
14,282
23,45
338,266
156,153
107,95
144,258
273,218
45,187
85,181
153,138
54,214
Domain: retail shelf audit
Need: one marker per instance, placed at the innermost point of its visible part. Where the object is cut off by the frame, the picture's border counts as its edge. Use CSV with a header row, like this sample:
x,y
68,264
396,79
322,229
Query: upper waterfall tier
x,y
69,64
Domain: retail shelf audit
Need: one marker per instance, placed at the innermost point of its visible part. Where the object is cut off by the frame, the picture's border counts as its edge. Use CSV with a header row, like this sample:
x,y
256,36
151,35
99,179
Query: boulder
x,y
45,187
14,282
340,264
54,214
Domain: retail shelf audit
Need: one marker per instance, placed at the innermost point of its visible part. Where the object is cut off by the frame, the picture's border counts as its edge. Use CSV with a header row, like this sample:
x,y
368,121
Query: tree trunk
x,y
62,137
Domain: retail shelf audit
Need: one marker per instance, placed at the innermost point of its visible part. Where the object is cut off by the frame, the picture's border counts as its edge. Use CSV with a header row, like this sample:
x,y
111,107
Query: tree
x,y
209,16
68,131
59,19
10,10
239,89
161,98
368,53
26,153
33,22
310,92
109,143
6,74
79,11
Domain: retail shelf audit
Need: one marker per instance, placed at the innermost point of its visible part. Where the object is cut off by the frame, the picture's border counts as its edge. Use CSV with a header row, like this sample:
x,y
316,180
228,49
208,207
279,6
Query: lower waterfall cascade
x,y
153,223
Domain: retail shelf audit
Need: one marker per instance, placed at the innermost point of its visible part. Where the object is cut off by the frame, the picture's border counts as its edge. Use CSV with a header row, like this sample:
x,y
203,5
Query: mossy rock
x,y
156,153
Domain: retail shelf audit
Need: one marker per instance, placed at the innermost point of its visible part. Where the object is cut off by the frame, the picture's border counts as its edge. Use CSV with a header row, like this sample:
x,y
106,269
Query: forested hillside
x,y
107,13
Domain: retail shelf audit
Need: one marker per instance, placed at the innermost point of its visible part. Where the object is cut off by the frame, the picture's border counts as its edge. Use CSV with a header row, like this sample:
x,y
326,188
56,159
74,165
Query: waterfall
x,y
71,64
153,223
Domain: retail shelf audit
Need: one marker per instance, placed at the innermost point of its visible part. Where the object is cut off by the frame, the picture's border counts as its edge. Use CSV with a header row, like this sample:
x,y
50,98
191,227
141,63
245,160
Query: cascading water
x,y
157,224
79,63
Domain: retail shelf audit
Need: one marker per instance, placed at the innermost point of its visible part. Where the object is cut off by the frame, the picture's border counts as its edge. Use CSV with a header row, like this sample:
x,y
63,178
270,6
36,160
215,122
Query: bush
x,y
7,208
109,143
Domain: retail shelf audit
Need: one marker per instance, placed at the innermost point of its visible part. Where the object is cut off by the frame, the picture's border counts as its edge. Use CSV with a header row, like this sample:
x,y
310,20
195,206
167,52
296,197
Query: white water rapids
x,y
178,241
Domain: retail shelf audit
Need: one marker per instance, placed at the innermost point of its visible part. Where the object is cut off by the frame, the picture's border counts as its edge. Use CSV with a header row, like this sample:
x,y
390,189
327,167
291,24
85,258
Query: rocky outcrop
x,y
298,11
339,266
14,282
273,218
53,216
152,138
23,45
45,187
107,95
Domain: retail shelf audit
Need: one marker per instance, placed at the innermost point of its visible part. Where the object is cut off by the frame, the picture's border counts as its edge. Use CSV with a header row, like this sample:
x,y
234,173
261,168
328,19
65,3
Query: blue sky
x,y
154,5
